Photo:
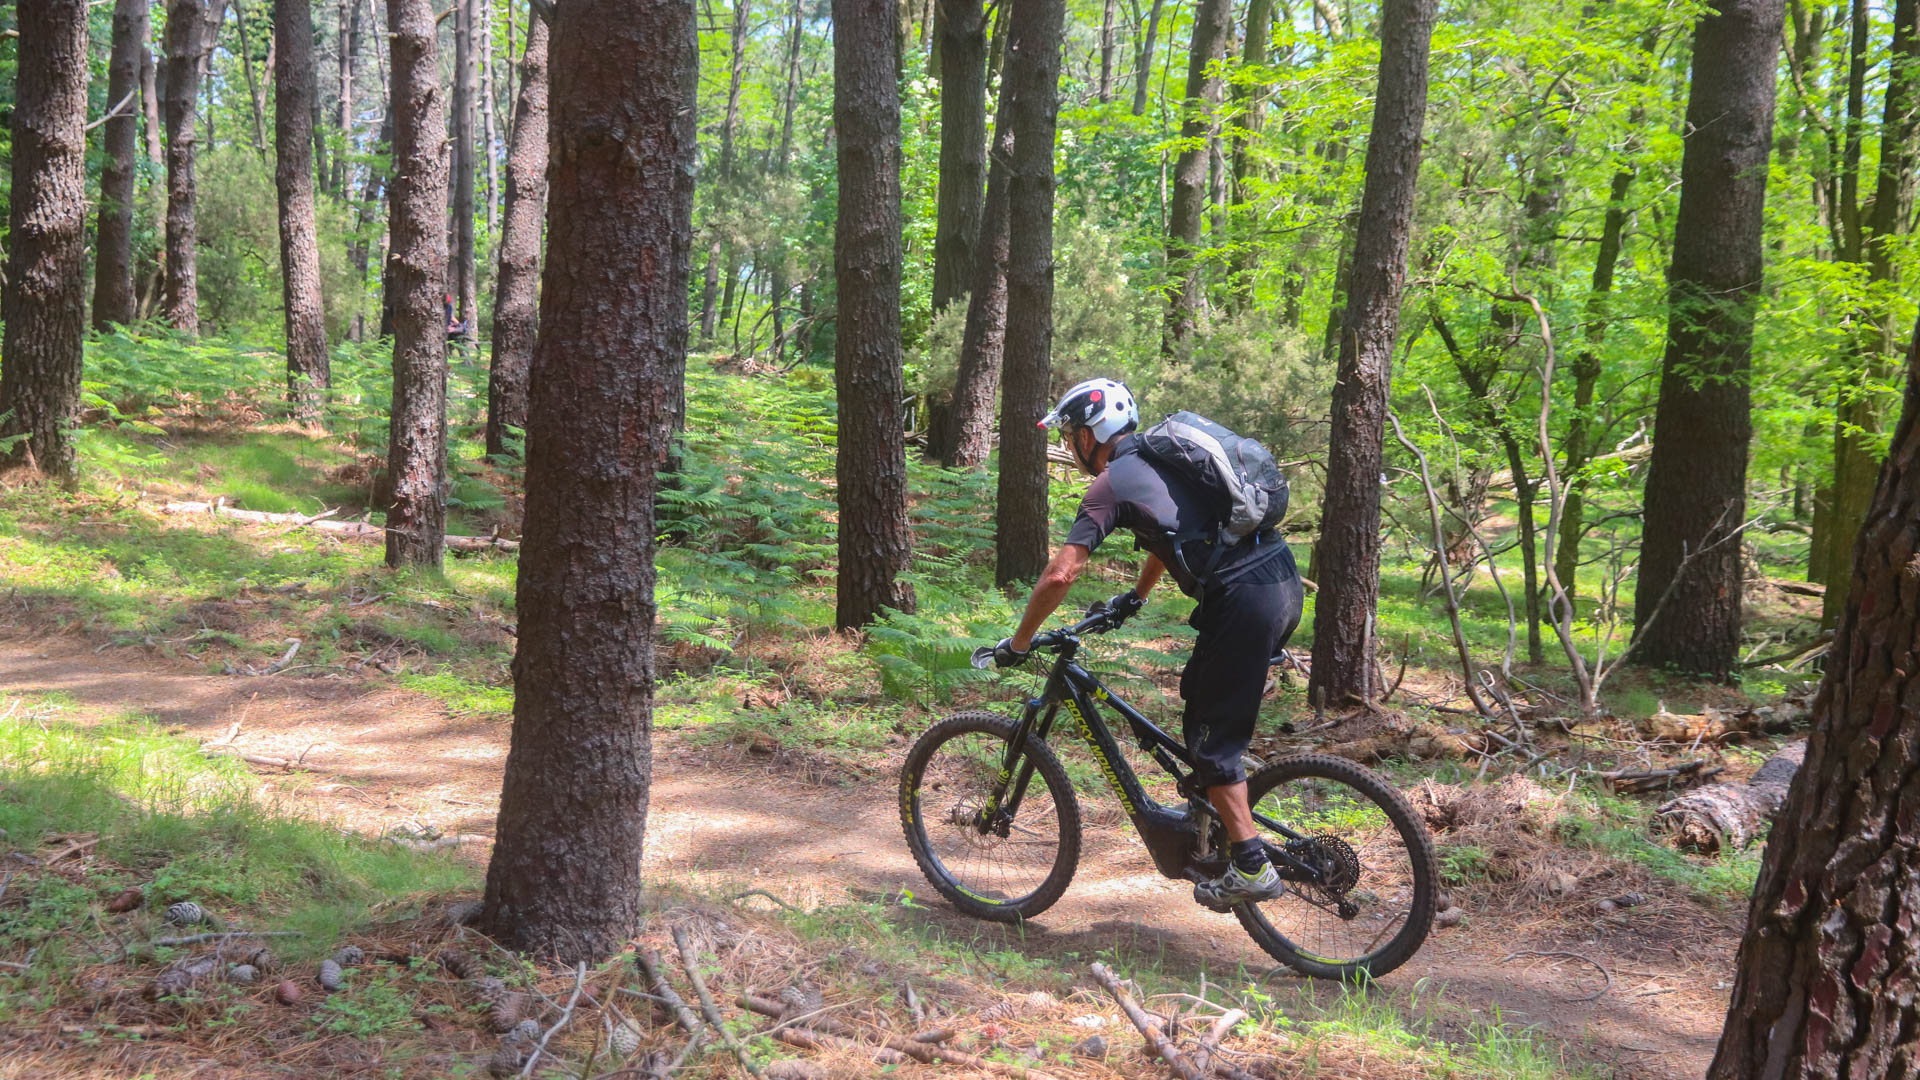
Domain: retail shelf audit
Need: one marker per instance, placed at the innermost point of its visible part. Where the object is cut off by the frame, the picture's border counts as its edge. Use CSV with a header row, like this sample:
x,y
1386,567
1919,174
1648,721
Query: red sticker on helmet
x,y
1094,397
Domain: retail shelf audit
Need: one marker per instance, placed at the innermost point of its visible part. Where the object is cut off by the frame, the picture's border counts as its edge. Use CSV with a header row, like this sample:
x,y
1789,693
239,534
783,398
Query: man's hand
x,y
1005,655
1120,608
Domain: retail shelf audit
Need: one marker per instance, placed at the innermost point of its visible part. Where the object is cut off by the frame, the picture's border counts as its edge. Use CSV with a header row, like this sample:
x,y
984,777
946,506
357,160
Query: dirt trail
x,y
378,757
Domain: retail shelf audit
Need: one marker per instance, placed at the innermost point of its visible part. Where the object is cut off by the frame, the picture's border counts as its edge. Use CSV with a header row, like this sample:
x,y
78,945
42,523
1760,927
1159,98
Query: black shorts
x,y
1242,626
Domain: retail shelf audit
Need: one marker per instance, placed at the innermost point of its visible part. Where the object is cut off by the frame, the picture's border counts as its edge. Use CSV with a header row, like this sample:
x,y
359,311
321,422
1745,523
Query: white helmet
x,y
1102,405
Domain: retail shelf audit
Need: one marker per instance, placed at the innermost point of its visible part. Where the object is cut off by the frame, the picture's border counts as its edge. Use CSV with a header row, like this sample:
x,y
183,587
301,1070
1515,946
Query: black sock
x,y
1250,855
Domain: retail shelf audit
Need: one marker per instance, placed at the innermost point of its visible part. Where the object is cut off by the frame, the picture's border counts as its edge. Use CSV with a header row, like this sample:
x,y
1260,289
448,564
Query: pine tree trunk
x,y
1824,986
870,467
487,109
1143,69
1576,444
465,285
150,275
1033,107
293,90
1349,551
1104,89
565,878
1212,26
779,286
343,111
1863,414
113,264
962,32
516,286
416,277
187,40
970,417
256,96
45,300
1696,482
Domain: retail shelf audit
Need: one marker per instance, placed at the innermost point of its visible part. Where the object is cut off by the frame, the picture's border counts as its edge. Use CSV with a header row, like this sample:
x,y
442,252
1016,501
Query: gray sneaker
x,y
1236,887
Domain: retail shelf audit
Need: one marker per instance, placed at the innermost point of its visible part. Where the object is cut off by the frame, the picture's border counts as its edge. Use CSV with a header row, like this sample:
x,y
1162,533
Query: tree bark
x,y
1728,817
1349,563
779,287
343,111
113,300
969,420
465,283
962,31
1862,413
1824,986
45,298
565,875
516,286
1143,69
293,90
1104,90
256,95
416,277
487,134
187,40
1033,106
1696,481
1212,25
875,543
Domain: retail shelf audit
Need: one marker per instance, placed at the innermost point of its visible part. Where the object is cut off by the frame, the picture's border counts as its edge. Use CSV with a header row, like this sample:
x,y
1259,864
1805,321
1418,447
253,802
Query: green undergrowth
x,y
178,825
1618,827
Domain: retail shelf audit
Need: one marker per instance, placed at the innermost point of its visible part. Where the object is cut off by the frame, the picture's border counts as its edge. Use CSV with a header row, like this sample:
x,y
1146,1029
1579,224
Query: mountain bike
x,y
1357,860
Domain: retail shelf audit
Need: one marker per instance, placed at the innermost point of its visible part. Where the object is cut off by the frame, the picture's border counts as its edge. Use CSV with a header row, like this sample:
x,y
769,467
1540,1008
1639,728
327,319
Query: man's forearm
x,y
1046,598
1149,576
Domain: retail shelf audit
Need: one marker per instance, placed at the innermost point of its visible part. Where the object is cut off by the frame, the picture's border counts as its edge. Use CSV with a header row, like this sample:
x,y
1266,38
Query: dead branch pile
x,y
347,530
1714,725
1399,735
1731,816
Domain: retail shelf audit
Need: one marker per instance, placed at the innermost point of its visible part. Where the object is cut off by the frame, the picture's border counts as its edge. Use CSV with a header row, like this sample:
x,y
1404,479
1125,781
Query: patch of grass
x,y
462,695
1462,863
185,826
1618,827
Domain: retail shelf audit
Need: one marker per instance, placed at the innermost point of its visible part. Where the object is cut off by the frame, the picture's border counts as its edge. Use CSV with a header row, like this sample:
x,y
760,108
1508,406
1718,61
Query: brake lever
x,y
983,657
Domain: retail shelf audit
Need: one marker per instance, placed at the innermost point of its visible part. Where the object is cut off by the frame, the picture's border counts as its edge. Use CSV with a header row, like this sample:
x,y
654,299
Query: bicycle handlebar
x,y
1052,640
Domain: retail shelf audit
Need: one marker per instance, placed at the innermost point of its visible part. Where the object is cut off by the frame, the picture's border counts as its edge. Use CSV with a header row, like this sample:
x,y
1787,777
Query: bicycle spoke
x,y
957,782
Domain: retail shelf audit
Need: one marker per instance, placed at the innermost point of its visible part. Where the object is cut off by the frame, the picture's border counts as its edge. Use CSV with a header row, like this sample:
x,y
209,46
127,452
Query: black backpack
x,y
1251,493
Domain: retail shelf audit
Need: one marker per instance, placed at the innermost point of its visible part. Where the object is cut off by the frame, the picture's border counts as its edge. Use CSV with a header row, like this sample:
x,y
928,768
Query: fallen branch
x,y
1582,957
351,530
566,1017
195,939
650,966
1203,1057
707,1006
1731,816
1625,782
1168,1052
819,1040
922,1051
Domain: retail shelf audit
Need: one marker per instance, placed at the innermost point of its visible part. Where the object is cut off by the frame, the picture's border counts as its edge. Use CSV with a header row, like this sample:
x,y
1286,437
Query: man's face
x,y
1084,447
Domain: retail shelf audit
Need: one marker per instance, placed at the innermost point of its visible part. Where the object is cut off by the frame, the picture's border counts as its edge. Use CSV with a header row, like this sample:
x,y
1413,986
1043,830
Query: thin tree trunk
x,y
113,300
1143,70
962,32
371,198
1349,548
970,417
343,112
1823,985
719,252
1212,26
487,107
1253,54
1862,413
416,276
779,288
516,285
465,283
1104,91
255,94
150,278
150,98
613,342
45,299
1033,106
1577,443
187,32
293,92
1696,481
875,543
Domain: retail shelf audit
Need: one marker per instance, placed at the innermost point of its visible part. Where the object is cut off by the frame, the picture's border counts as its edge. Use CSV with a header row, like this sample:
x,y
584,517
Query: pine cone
x,y
526,1031
126,901
464,913
244,974
181,977
488,989
186,913
506,1061
461,965
350,956
506,1011
261,958
625,1038
331,977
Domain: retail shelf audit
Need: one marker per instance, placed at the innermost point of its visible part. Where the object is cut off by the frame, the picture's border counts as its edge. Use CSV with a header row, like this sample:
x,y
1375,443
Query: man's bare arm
x,y
1149,575
1055,580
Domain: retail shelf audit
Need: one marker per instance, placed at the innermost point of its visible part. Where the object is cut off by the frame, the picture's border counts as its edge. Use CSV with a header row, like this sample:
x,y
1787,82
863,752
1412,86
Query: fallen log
x,y
1628,782
1728,817
918,1051
350,530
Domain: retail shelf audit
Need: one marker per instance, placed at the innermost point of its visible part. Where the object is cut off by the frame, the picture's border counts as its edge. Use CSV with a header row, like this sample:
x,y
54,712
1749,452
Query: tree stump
x,y
1729,816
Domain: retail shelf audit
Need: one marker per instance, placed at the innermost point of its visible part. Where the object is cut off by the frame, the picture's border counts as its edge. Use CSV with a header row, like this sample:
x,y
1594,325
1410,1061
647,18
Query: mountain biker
x,y
1249,607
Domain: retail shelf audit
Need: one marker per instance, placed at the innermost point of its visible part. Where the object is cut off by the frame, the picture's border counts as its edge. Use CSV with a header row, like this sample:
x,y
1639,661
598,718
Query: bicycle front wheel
x,y
1020,864
1370,902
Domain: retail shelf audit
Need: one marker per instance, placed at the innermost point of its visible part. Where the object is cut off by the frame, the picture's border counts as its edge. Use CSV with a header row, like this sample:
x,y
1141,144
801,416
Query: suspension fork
x,y
1016,768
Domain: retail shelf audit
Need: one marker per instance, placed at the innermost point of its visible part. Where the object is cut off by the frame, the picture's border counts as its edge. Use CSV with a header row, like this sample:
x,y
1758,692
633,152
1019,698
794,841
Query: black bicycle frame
x,y
1172,835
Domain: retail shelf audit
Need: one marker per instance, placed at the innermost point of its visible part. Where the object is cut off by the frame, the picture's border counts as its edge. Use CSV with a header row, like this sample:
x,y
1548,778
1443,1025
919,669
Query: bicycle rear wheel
x,y
1371,905
1009,872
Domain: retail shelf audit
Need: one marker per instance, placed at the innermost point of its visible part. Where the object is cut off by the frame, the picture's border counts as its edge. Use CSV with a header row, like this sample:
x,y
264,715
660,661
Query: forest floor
x,y
250,716
819,831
